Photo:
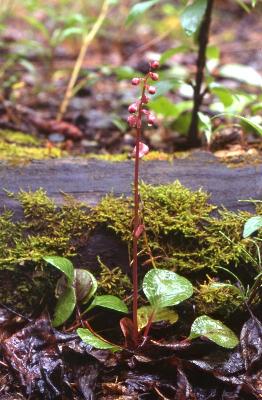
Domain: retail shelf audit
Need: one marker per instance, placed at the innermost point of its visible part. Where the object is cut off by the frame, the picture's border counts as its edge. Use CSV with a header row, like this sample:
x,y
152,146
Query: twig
x,y
87,39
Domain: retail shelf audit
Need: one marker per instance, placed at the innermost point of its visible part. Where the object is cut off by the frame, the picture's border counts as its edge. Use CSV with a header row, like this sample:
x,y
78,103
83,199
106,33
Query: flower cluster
x,y
137,109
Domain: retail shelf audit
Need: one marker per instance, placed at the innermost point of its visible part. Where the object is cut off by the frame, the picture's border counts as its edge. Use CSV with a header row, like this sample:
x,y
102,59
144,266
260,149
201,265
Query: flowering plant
x,y
137,110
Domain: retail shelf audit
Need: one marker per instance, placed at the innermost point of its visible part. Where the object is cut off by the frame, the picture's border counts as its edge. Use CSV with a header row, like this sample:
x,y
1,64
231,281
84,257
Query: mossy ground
x,y
181,234
18,147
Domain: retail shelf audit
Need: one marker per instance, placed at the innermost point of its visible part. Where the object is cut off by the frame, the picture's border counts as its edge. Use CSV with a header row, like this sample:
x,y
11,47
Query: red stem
x,y
136,213
146,331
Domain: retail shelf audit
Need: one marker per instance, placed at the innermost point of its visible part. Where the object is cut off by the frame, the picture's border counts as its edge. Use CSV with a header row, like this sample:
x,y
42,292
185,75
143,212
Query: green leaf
x,y
98,343
63,264
37,24
251,123
139,9
164,314
206,125
71,31
214,330
171,52
213,52
222,93
125,72
252,225
165,288
192,16
243,5
164,86
242,73
163,106
248,121
109,301
85,285
119,123
254,2
64,307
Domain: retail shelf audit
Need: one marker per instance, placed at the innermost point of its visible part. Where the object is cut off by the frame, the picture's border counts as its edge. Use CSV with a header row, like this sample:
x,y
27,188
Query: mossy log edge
x,y
90,180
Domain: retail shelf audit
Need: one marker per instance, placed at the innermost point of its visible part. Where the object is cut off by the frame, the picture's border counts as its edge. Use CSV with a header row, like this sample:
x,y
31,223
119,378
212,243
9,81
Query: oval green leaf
x,y
215,331
138,9
63,264
109,301
164,314
64,307
98,343
85,285
165,288
252,225
192,16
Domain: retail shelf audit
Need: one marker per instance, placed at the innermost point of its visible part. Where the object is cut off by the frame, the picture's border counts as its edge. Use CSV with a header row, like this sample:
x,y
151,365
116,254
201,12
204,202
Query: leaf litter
x,y
43,363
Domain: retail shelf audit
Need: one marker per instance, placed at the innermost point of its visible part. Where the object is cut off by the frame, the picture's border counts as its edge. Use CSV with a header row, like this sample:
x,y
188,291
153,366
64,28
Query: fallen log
x,y
90,180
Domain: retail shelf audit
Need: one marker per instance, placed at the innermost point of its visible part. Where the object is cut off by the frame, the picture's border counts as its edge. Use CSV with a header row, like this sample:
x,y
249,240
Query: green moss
x,y
18,147
153,155
217,299
180,228
113,281
19,138
45,229
181,232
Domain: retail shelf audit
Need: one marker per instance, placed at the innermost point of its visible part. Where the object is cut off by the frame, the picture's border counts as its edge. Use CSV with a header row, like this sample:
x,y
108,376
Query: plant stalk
x,y
87,39
136,215
192,137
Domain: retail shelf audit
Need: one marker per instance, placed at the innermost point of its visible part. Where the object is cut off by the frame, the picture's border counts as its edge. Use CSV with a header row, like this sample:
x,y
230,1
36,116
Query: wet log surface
x,y
89,180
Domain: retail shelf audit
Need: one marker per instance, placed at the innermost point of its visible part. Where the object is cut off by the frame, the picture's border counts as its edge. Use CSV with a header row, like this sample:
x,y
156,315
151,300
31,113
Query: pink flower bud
x,y
143,150
151,119
145,99
154,64
138,231
132,121
135,81
145,111
132,108
154,76
152,90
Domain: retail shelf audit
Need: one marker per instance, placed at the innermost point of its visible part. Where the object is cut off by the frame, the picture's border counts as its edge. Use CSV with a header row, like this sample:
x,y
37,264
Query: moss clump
x,y
18,147
19,138
180,229
45,229
181,233
113,281
218,299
